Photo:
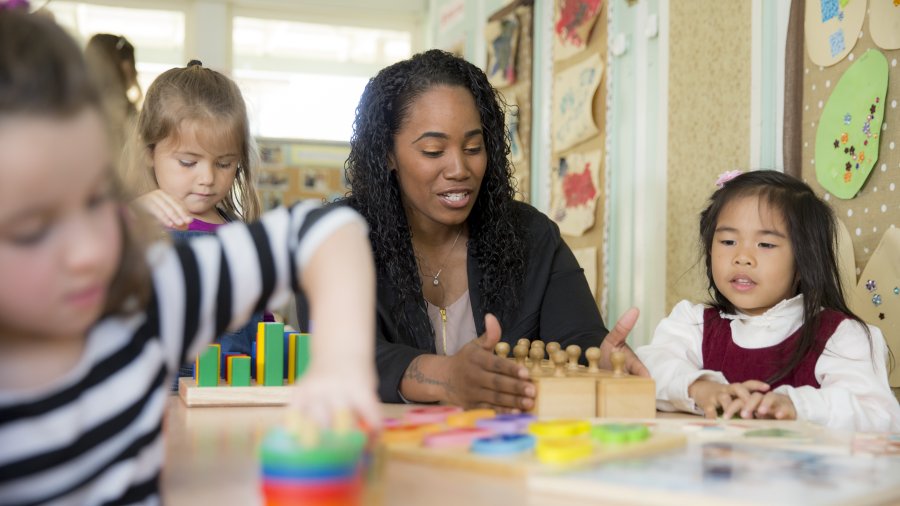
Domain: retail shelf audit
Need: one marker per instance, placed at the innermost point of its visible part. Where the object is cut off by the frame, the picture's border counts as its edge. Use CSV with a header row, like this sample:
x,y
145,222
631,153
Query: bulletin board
x,y
509,40
874,209
578,125
291,170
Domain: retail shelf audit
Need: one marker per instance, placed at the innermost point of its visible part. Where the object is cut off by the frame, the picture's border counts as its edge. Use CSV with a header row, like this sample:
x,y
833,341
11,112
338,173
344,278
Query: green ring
x,y
281,449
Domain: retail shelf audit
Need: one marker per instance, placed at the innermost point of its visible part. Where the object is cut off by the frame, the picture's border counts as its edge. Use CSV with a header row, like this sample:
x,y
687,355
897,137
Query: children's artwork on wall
x,y
575,187
884,23
572,25
516,152
293,170
587,259
271,154
502,42
573,111
876,297
847,138
832,28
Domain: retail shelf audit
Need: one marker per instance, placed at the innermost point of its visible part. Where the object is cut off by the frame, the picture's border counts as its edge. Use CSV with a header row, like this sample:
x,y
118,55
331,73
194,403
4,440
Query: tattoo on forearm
x,y
415,374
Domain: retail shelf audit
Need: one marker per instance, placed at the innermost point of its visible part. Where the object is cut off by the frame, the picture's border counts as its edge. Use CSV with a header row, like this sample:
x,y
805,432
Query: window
x,y
157,35
303,80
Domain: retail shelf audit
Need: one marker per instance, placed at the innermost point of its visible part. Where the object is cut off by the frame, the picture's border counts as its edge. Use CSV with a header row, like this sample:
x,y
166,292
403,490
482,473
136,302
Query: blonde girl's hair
x,y
44,74
196,93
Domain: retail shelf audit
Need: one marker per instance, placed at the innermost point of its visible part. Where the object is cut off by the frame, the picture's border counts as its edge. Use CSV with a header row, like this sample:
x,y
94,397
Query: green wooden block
x,y
240,371
301,355
274,347
208,366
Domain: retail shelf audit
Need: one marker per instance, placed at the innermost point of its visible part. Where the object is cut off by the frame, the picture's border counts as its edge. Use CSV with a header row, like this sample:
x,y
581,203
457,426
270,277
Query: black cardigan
x,y
555,305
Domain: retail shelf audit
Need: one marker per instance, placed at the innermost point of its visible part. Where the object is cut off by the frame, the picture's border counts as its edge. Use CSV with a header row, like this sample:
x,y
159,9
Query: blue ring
x,y
308,474
503,444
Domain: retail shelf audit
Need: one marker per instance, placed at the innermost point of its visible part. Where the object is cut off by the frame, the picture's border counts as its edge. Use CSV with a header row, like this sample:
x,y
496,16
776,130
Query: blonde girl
x,y
92,324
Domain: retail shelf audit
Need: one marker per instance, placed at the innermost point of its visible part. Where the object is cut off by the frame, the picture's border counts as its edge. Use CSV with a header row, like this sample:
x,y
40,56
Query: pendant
x,y
435,281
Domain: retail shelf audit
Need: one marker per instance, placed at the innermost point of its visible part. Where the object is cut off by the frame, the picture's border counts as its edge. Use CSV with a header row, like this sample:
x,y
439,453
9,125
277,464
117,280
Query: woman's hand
x,y
710,396
476,377
615,341
473,377
168,210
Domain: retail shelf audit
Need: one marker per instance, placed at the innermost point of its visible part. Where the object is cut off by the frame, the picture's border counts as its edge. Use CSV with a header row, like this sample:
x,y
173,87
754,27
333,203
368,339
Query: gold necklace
x,y
434,278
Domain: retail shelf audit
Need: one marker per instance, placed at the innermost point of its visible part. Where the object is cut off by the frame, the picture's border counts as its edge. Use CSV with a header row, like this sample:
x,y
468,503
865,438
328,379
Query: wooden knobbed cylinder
x,y
536,355
617,358
502,349
559,358
524,342
574,353
552,347
593,358
521,353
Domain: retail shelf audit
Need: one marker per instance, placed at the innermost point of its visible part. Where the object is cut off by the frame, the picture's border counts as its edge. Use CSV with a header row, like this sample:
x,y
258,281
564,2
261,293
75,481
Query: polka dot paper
x,y
849,130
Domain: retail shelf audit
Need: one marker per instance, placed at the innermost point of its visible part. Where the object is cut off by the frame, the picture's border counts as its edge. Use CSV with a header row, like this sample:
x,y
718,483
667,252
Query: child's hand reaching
x,y
710,395
763,405
322,396
168,210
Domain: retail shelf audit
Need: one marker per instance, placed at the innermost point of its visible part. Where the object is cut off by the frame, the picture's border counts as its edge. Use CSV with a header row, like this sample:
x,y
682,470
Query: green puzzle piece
x,y
620,433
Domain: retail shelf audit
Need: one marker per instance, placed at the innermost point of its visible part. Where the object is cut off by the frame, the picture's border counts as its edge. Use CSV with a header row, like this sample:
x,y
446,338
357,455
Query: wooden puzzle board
x,y
738,462
521,465
224,395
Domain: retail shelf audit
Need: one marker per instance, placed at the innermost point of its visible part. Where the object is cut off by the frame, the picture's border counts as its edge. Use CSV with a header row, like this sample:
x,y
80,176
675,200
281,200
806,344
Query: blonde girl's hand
x,y
327,397
169,211
710,395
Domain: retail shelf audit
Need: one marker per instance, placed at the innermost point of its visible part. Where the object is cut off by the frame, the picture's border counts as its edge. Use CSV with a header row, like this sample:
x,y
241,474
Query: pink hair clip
x,y
726,177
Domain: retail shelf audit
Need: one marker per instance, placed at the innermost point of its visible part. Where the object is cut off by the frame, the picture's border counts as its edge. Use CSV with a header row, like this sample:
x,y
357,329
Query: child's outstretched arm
x,y
339,280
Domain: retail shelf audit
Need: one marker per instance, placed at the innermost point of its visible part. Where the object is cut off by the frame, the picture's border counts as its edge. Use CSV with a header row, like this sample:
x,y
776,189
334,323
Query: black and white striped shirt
x,y
94,437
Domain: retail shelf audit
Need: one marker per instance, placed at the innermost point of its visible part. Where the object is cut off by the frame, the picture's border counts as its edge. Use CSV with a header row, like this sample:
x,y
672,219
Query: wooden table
x,y
211,459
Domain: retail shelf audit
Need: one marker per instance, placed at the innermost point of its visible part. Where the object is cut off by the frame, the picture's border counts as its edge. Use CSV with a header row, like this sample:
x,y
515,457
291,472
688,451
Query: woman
x,y
429,170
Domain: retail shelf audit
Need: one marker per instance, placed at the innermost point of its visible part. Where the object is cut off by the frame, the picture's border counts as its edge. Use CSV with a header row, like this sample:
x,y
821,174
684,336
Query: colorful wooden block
x,y
273,346
206,366
239,370
223,366
260,353
298,355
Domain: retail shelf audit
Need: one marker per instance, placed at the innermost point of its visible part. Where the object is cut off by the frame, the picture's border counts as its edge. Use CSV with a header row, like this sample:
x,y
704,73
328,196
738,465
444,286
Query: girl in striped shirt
x,y
92,324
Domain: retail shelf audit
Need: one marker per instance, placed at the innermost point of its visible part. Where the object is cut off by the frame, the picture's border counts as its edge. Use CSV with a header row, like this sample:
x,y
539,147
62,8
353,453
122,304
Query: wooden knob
x,y
520,352
502,349
618,362
536,355
593,357
559,358
574,352
551,348
523,341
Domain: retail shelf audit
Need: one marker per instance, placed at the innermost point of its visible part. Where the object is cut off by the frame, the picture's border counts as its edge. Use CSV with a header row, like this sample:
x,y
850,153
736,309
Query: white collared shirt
x,y
854,392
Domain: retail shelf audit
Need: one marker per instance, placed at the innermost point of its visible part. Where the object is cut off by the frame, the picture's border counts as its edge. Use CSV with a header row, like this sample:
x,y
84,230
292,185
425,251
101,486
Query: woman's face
x,y
440,158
